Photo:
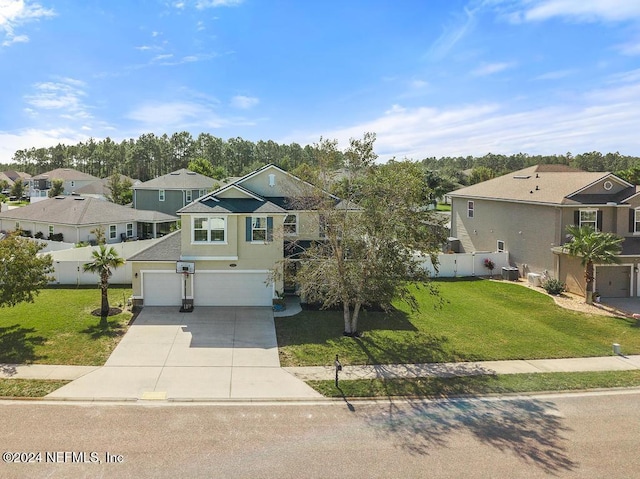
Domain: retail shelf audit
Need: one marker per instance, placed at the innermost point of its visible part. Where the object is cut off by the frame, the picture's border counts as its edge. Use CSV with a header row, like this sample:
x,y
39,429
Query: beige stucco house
x,y
72,180
527,212
233,240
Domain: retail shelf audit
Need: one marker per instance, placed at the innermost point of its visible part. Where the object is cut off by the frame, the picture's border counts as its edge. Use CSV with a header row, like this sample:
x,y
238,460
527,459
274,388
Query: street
x,y
591,435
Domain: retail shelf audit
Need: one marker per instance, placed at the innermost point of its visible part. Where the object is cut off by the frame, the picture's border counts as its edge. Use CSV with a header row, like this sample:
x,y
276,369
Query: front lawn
x,y
480,320
58,328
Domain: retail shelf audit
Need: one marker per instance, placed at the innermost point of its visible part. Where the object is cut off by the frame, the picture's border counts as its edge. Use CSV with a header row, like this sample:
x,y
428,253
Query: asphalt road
x,y
575,436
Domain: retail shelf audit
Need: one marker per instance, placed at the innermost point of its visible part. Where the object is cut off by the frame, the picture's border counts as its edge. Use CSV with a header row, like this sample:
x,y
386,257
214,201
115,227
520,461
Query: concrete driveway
x,y
210,353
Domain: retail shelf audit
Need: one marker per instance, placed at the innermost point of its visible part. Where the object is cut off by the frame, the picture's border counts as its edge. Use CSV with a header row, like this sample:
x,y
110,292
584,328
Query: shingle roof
x,y
66,174
78,210
232,205
166,249
178,180
536,184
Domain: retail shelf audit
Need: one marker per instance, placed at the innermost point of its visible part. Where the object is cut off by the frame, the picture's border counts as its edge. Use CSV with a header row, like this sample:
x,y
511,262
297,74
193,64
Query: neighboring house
x,y
73,180
527,212
170,192
100,189
74,217
11,177
234,238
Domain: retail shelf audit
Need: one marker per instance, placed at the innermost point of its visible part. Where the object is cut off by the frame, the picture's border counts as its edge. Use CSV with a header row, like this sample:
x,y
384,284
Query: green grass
x,y
477,385
480,320
58,328
28,388
443,207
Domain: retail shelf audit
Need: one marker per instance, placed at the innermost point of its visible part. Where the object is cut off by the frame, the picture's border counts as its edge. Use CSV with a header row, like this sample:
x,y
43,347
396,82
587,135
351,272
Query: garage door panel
x,y
613,281
232,289
162,289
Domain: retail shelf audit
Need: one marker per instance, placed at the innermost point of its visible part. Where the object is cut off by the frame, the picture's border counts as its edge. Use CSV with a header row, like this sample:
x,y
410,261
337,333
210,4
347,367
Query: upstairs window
x,y
189,196
209,229
291,225
589,218
113,231
160,195
259,228
500,246
470,209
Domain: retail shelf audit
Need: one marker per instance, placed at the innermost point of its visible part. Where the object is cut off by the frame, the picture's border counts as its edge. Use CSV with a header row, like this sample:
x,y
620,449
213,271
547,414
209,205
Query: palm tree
x,y
593,247
103,261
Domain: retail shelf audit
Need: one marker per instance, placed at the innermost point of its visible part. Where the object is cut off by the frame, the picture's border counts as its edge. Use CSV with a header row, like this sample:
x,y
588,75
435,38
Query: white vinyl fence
x,y
67,264
467,264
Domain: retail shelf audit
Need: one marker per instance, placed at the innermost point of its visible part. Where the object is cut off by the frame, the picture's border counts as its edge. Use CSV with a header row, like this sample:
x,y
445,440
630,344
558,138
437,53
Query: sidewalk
x,y
605,363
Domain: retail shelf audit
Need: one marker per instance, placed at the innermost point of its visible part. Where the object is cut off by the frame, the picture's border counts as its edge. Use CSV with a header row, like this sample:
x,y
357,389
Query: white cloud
x,y
64,95
491,68
451,35
14,14
244,102
10,142
579,10
555,75
604,120
202,4
630,49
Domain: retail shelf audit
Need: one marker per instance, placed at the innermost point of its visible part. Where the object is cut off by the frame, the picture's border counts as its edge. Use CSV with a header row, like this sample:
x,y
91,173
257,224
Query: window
x,y
17,225
209,229
50,230
470,209
589,218
160,195
636,221
259,228
73,184
189,196
129,230
113,231
201,192
500,246
291,225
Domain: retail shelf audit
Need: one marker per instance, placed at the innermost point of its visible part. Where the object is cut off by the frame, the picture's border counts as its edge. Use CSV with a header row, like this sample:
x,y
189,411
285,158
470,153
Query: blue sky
x,y
429,77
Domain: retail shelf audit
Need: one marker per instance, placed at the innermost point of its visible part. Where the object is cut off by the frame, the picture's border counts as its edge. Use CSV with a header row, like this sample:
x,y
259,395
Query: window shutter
x,y
576,217
248,228
269,228
599,220
632,220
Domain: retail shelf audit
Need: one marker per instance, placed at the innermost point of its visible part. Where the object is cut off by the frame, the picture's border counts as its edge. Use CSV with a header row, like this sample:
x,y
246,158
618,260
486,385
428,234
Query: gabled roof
x,y
66,174
542,184
101,187
182,179
6,178
14,175
80,210
208,204
165,249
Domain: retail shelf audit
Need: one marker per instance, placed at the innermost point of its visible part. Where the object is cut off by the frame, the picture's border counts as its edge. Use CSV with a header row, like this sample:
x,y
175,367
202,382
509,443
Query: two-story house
x,y
233,240
171,192
527,213
72,180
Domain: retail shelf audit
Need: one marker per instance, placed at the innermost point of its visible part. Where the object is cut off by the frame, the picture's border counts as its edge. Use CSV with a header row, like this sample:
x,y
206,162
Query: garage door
x,y
613,281
232,289
162,289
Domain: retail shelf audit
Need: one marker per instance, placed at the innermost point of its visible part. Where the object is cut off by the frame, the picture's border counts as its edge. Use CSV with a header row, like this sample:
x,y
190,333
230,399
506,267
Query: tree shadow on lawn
x,y
528,428
319,327
113,329
17,346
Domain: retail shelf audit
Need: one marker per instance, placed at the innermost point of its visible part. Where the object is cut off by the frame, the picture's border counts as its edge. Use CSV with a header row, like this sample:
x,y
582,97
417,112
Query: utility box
x,y
510,273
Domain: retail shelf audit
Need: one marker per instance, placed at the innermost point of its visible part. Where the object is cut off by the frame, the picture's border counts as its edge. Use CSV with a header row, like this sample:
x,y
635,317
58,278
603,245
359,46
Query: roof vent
x,y
193,173
537,188
59,197
521,177
79,198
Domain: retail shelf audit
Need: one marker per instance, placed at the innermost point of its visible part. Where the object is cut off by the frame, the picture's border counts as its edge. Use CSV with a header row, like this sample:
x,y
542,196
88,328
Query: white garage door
x,y
162,289
232,289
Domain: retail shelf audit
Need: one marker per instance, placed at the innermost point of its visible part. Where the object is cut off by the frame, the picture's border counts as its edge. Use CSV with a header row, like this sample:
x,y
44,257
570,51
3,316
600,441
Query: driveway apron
x,y
210,353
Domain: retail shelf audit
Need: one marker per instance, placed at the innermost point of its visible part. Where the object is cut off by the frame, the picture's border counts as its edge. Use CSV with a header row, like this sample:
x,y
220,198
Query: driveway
x,y
210,353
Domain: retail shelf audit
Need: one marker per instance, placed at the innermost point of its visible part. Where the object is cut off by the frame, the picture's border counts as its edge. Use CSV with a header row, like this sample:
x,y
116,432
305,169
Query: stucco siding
x,y
528,231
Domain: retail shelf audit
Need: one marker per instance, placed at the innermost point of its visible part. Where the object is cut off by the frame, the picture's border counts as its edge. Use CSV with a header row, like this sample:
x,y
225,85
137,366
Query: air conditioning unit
x,y
534,279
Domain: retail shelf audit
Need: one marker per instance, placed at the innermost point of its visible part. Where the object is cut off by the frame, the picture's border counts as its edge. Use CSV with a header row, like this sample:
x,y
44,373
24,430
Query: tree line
x,y
150,155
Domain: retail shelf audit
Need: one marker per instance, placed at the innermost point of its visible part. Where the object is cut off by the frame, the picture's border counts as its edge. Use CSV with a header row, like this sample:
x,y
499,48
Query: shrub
x,y
553,286
39,235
